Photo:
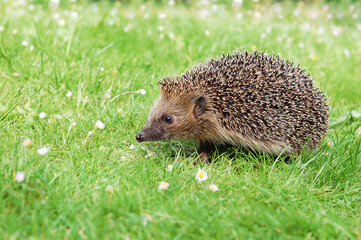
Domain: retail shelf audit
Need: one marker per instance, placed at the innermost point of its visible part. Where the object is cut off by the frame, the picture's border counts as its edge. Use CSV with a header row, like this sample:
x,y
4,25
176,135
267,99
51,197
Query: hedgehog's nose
x,y
140,137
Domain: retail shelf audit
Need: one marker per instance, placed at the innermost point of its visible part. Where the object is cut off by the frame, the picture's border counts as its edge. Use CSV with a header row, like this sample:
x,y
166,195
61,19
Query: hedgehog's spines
x,y
257,95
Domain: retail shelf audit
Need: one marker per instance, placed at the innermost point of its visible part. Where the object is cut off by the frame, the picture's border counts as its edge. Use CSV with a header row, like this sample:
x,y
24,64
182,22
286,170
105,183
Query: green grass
x,y
98,187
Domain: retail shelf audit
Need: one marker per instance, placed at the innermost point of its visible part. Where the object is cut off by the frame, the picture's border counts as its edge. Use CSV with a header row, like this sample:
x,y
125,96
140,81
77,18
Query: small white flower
x,y
110,22
207,32
146,15
143,7
99,125
102,69
90,132
62,22
27,143
16,74
2,28
69,93
74,124
142,91
347,53
149,155
24,43
74,14
32,47
54,2
161,28
162,15
163,185
330,143
169,168
42,115
132,146
171,35
213,187
20,176
171,2
107,95
14,31
337,31
43,151
201,175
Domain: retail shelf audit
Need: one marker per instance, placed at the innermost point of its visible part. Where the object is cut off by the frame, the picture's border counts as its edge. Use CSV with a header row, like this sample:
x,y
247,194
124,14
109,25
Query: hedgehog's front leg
x,y
203,150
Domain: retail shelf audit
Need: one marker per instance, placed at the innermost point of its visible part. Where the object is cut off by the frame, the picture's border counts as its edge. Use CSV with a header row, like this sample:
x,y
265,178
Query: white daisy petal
x,y
43,151
201,175
99,125
213,187
20,176
163,185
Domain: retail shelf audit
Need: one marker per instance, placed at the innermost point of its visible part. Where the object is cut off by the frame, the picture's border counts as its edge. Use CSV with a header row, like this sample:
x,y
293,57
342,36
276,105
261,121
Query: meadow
x,y
77,80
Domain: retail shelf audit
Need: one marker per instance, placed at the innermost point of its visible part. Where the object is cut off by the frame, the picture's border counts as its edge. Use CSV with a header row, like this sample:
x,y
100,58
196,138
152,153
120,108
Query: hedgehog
x,y
251,99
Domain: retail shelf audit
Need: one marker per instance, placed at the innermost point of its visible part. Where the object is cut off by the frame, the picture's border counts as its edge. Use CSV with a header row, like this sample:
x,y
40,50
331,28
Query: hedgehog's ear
x,y
199,105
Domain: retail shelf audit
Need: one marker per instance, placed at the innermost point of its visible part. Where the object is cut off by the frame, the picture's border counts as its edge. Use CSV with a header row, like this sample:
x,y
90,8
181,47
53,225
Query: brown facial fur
x,y
189,112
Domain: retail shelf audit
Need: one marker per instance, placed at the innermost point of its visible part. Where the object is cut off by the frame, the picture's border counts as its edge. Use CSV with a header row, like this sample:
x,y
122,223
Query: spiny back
x,y
258,95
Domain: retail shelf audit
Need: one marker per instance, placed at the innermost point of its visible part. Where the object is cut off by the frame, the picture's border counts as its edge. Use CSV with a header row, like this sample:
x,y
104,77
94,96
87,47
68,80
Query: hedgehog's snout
x,y
140,136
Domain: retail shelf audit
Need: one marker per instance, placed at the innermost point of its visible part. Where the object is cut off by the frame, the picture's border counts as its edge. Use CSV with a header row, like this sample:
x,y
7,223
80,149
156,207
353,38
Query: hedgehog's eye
x,y
168,119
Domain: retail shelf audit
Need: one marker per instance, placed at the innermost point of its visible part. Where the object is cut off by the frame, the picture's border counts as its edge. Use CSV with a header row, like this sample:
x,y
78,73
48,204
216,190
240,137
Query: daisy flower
x,y
330,143
163,185
99,125
213,187
69,93
169,168
43,151
27,143
42,115
201,175
20,176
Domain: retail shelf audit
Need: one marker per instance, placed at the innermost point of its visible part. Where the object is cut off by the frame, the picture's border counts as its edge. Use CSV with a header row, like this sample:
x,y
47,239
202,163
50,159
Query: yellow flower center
x,y
200,175
328,143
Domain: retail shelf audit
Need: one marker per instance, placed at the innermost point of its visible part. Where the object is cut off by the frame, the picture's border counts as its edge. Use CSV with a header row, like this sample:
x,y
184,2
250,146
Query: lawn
x,y
66,69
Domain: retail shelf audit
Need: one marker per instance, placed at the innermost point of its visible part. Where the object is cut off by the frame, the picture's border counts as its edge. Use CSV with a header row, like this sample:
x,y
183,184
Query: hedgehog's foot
x,y
203,150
